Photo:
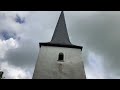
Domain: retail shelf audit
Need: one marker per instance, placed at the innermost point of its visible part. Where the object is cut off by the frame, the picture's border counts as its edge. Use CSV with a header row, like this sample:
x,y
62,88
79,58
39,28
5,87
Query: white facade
x,y
47,66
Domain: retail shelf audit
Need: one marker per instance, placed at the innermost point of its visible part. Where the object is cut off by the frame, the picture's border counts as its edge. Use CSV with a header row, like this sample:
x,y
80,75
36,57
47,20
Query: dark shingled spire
x,y
60,35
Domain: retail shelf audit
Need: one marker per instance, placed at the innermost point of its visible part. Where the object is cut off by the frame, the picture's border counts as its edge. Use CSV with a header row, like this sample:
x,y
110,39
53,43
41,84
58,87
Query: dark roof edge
x,y
60,45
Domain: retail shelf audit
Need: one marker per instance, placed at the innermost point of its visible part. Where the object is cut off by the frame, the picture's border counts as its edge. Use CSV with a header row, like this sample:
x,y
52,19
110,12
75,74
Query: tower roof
x,y
60,37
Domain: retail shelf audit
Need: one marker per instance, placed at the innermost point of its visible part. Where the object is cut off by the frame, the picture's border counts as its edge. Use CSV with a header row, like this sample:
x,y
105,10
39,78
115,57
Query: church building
x,y
59,58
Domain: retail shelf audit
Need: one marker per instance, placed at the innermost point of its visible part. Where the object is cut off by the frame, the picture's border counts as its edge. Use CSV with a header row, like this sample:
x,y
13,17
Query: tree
x,y
1,74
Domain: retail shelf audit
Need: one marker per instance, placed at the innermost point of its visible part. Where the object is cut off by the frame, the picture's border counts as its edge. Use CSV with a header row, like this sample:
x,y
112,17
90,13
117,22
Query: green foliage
x,y
1,74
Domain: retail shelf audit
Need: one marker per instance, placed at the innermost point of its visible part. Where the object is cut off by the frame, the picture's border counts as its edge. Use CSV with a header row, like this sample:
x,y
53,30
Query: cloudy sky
x,y
97,31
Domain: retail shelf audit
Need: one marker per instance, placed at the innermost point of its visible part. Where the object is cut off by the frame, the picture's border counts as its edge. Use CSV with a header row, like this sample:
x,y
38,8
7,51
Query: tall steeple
x,y
55,60
60,35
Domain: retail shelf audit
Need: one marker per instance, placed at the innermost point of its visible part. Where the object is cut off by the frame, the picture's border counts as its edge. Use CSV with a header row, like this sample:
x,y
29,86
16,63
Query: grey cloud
x,y
23,56
36,29
100,33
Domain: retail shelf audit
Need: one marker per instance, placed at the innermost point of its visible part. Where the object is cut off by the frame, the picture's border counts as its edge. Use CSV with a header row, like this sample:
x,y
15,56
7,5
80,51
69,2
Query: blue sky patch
x,y
7,35
19,19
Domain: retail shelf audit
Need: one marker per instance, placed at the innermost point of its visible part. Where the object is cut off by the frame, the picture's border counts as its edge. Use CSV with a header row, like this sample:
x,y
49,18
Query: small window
x,y
61,57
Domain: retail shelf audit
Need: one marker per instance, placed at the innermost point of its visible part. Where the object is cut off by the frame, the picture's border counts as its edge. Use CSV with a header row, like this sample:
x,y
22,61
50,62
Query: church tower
x,y
59,59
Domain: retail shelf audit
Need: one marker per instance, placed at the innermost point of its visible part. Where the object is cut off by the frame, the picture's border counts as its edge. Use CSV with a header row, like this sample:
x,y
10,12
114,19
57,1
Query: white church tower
x,y
59,59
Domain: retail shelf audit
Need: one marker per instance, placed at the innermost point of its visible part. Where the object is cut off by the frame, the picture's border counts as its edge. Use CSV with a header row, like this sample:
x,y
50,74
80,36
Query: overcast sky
x,y
97,31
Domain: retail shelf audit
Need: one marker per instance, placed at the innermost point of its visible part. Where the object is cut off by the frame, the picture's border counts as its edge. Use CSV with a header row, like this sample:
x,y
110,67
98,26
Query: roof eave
x,y
60,45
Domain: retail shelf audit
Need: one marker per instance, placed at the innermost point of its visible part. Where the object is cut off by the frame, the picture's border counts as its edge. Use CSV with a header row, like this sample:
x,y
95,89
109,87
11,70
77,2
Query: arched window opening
x,y
61,57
